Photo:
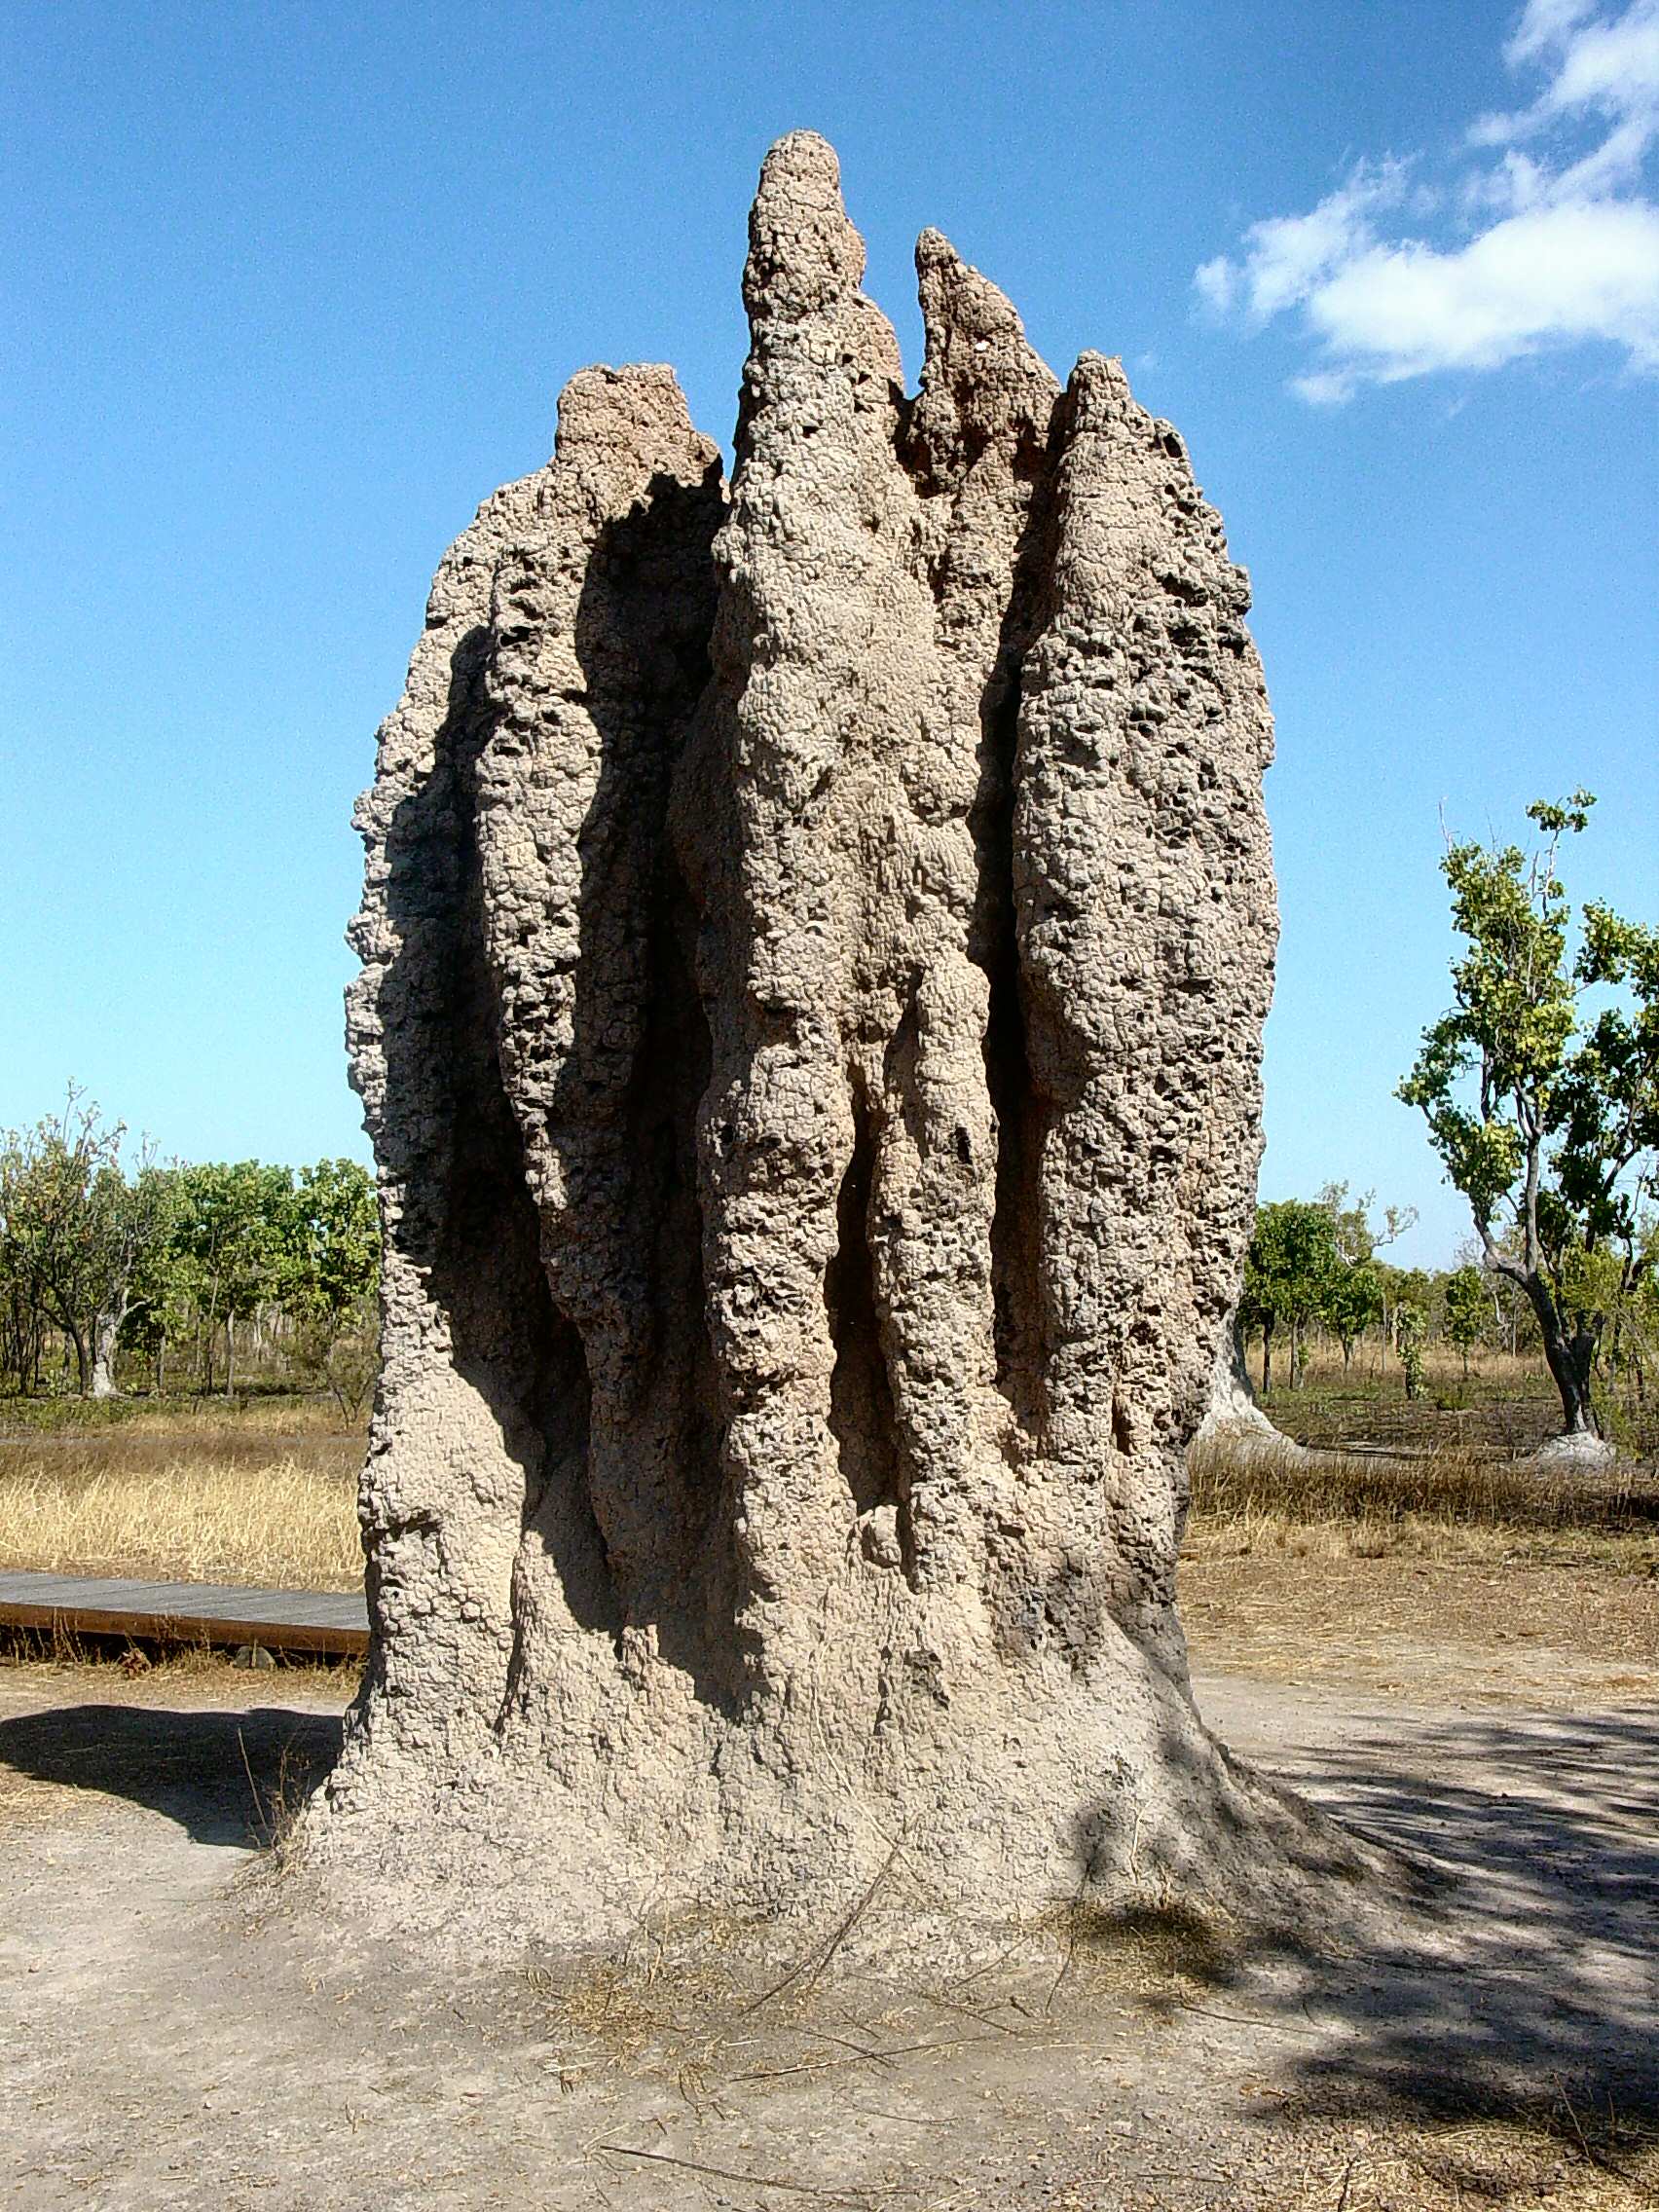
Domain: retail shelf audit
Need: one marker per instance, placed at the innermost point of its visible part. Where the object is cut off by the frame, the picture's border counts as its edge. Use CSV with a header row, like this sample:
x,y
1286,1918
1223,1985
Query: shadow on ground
x,y
1532,1989
223,1777
1526,1988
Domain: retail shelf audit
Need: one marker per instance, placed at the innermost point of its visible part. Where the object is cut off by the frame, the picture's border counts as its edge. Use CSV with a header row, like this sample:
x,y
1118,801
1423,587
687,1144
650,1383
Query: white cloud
x,y
1217,282
1545,23
1553,275
1323,387
1606,68
1558,245
1288,256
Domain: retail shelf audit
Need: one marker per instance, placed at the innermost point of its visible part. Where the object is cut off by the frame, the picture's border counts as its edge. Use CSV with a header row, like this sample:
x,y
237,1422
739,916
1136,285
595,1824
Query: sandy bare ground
x,y
177,2035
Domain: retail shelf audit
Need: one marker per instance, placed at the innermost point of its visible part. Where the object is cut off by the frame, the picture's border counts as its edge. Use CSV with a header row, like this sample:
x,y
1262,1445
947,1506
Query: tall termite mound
x,y
815,951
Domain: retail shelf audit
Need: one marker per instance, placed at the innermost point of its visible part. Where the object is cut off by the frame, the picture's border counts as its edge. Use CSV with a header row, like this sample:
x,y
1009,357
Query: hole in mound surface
x,y
863,1417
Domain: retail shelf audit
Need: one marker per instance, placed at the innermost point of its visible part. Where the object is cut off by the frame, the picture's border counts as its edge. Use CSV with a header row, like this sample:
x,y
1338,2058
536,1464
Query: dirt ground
x,y
178,2035
1564,1635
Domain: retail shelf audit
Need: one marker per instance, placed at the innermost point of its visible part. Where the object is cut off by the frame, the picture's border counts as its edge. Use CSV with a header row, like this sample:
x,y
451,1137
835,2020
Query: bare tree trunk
x,y
105,1329
1569,1359
1573,1363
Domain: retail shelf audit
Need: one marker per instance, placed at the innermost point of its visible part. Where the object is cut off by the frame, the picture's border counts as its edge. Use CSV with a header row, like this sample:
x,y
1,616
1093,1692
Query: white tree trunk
x,y
104,1331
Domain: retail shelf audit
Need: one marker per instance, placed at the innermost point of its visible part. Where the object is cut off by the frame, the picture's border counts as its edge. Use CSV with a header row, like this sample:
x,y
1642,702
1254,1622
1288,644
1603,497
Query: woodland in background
x,y
1316,1286
120,1274
120,1271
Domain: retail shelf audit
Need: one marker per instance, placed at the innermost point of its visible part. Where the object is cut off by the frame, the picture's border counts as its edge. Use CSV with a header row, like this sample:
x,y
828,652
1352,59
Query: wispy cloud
x,y
1545,234
1289,257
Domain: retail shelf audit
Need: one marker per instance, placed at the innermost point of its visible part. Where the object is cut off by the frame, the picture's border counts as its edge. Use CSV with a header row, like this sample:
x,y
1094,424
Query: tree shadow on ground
x,y
227,1779
1526,1987
1532,1981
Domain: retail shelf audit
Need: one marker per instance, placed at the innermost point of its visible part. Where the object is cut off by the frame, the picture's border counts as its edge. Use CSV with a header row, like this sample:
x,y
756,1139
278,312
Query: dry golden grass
x,y
1252,1499
266,1494
1523,1584
1513,1373
216,1505
282,1414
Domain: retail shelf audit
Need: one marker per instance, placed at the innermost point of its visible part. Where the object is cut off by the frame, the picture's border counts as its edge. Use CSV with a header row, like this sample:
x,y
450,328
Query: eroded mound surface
x,y
816,946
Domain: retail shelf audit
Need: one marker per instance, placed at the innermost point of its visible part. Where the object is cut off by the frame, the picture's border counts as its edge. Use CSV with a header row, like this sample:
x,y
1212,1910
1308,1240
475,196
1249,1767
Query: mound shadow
x,y
223,1777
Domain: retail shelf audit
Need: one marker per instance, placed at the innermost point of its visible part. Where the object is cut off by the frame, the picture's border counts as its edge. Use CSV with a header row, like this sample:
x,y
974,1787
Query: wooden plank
x,y
184,1612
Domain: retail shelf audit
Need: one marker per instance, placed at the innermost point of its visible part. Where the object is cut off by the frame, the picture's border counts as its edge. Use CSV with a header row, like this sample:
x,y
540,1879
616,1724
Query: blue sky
x,y
285,291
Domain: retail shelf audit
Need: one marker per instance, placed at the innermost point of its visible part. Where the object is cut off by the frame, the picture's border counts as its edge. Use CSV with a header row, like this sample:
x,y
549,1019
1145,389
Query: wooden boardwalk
x,y
187,1613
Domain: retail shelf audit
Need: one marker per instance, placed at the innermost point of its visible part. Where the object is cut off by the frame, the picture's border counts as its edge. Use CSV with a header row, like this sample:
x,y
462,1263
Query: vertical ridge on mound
x,y
1147,928
467,1333
600,621
816,946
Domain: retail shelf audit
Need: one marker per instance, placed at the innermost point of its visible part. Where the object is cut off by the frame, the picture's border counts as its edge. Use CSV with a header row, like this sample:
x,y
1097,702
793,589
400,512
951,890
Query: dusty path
x,y
173,2039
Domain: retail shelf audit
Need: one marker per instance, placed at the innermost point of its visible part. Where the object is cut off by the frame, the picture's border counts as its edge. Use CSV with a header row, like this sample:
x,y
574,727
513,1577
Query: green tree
x,y
231,1243
161,1311
1411,1331
1287,1271
130,1220
1359,1239
77,1230
23,1317
1352,1303
331,1272
1468,1307
1634,1338
1547,1121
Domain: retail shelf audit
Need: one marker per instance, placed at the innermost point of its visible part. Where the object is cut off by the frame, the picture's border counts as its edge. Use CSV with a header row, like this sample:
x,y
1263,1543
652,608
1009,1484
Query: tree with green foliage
x,y
1545,1117
23,1318
330,1273
161,1311
1468,1307
76,1231
1411,1332
1359,1239
1352,1303
98,1252
232,1235
1288,1269
1634,1338
130,1221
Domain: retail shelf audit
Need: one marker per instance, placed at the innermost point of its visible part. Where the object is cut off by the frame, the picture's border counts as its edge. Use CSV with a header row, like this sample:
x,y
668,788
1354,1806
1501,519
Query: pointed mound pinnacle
x,y
816,944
